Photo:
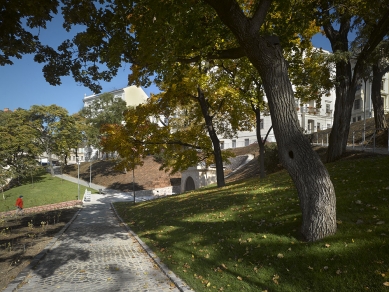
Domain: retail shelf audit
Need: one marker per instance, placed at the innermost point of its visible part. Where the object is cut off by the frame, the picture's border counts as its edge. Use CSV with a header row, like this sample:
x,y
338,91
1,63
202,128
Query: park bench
x,y
87,196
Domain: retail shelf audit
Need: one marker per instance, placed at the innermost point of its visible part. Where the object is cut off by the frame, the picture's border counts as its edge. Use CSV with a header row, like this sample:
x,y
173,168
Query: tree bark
x,y
217,153
379,114
315,189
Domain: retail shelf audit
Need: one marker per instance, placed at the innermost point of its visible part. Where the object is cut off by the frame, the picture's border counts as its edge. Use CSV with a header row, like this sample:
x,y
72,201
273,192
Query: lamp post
x,y
364,113
78,177
90,166
133,183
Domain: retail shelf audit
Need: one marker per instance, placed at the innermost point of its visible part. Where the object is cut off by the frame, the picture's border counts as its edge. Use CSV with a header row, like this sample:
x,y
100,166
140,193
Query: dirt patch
x,y
23,237
146,177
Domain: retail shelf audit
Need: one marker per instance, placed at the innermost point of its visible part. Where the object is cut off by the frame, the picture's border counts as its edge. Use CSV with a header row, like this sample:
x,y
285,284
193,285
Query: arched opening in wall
x,y
189,184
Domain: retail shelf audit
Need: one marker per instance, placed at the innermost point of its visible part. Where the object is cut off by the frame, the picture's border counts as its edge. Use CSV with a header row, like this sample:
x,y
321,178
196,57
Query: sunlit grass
x,y
44,190
245,236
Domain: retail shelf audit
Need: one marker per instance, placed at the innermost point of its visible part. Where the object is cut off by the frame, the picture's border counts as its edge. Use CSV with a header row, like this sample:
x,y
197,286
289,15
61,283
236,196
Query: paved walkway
x,y
97,253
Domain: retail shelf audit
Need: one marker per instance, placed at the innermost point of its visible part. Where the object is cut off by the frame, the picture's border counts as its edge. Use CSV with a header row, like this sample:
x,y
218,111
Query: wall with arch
x,y
197,177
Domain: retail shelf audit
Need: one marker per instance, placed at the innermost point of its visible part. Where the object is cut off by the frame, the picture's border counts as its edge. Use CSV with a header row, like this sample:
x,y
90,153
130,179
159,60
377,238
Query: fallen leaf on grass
x,y
275,279
380,222
280,256
386,284
239,278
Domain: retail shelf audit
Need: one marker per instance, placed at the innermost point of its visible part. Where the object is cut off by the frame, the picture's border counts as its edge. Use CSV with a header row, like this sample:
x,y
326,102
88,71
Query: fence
x,y
358,140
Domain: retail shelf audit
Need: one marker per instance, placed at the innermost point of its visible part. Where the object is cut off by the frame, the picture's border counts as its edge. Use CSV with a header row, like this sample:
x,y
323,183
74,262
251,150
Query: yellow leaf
x,y
386,284
208,284
327,245
280,256
239,278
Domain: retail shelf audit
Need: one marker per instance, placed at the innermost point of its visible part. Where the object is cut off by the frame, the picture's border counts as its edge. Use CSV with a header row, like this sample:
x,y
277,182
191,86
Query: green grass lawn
x,y
245,237
43,191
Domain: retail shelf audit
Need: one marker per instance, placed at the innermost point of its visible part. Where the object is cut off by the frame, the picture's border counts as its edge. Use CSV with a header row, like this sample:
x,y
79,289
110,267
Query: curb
x,y
21,277
180,284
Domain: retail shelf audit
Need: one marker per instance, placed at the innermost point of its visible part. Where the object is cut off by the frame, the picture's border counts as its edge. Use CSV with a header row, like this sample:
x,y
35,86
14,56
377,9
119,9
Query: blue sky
x,y
23,85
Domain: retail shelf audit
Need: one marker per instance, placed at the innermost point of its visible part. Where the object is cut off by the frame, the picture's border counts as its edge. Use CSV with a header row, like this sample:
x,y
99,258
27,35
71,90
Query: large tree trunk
x,y
215,140
315,189
379,114
345,96
345,91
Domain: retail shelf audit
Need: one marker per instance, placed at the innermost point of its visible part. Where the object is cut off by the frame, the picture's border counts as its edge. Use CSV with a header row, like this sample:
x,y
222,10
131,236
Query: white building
x,y
363,106
132,95
313,119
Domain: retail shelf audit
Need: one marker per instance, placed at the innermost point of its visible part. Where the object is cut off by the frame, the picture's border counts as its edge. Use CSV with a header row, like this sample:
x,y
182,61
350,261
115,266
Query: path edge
x,y
20,278
180,284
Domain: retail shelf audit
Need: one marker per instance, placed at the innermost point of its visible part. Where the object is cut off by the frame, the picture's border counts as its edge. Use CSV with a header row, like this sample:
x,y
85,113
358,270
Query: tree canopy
x,y
158,37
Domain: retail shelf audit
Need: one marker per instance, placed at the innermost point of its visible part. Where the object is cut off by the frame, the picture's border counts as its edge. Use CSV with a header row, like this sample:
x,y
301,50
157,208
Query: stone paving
x,y
96,253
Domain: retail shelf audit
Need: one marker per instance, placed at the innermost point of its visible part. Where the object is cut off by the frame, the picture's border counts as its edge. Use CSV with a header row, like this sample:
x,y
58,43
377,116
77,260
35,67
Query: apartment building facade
x,y
363,106
313,118
132,95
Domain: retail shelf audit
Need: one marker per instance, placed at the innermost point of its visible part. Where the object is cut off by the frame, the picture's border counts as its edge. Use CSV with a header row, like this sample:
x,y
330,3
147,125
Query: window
x,y
222,145
318,126
357,104
328,126
246,142
328,108
354,119
359,118
233,143
261,124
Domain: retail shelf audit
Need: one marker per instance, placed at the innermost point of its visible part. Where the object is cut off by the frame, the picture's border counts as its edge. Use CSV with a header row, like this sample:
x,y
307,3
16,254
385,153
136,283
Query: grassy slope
x,y
43,191
246,236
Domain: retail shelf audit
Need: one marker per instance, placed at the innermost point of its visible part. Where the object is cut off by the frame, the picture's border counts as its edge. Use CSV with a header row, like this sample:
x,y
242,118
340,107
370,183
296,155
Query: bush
x,y
272,161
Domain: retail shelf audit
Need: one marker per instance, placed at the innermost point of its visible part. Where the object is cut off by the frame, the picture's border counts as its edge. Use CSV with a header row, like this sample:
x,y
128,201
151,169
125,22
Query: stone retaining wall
x,y
44,208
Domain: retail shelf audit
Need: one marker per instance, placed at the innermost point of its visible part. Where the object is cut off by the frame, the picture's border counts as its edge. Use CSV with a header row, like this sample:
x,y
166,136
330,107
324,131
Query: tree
x,y
18,144
105,109
212,104
250,36
316,192
152,33
55,129
338,19
16,19
196,111
245,78
380,66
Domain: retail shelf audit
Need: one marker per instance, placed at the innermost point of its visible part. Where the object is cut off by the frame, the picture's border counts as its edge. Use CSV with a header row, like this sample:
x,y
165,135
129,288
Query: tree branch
x,y
169,142
259,16
233,53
